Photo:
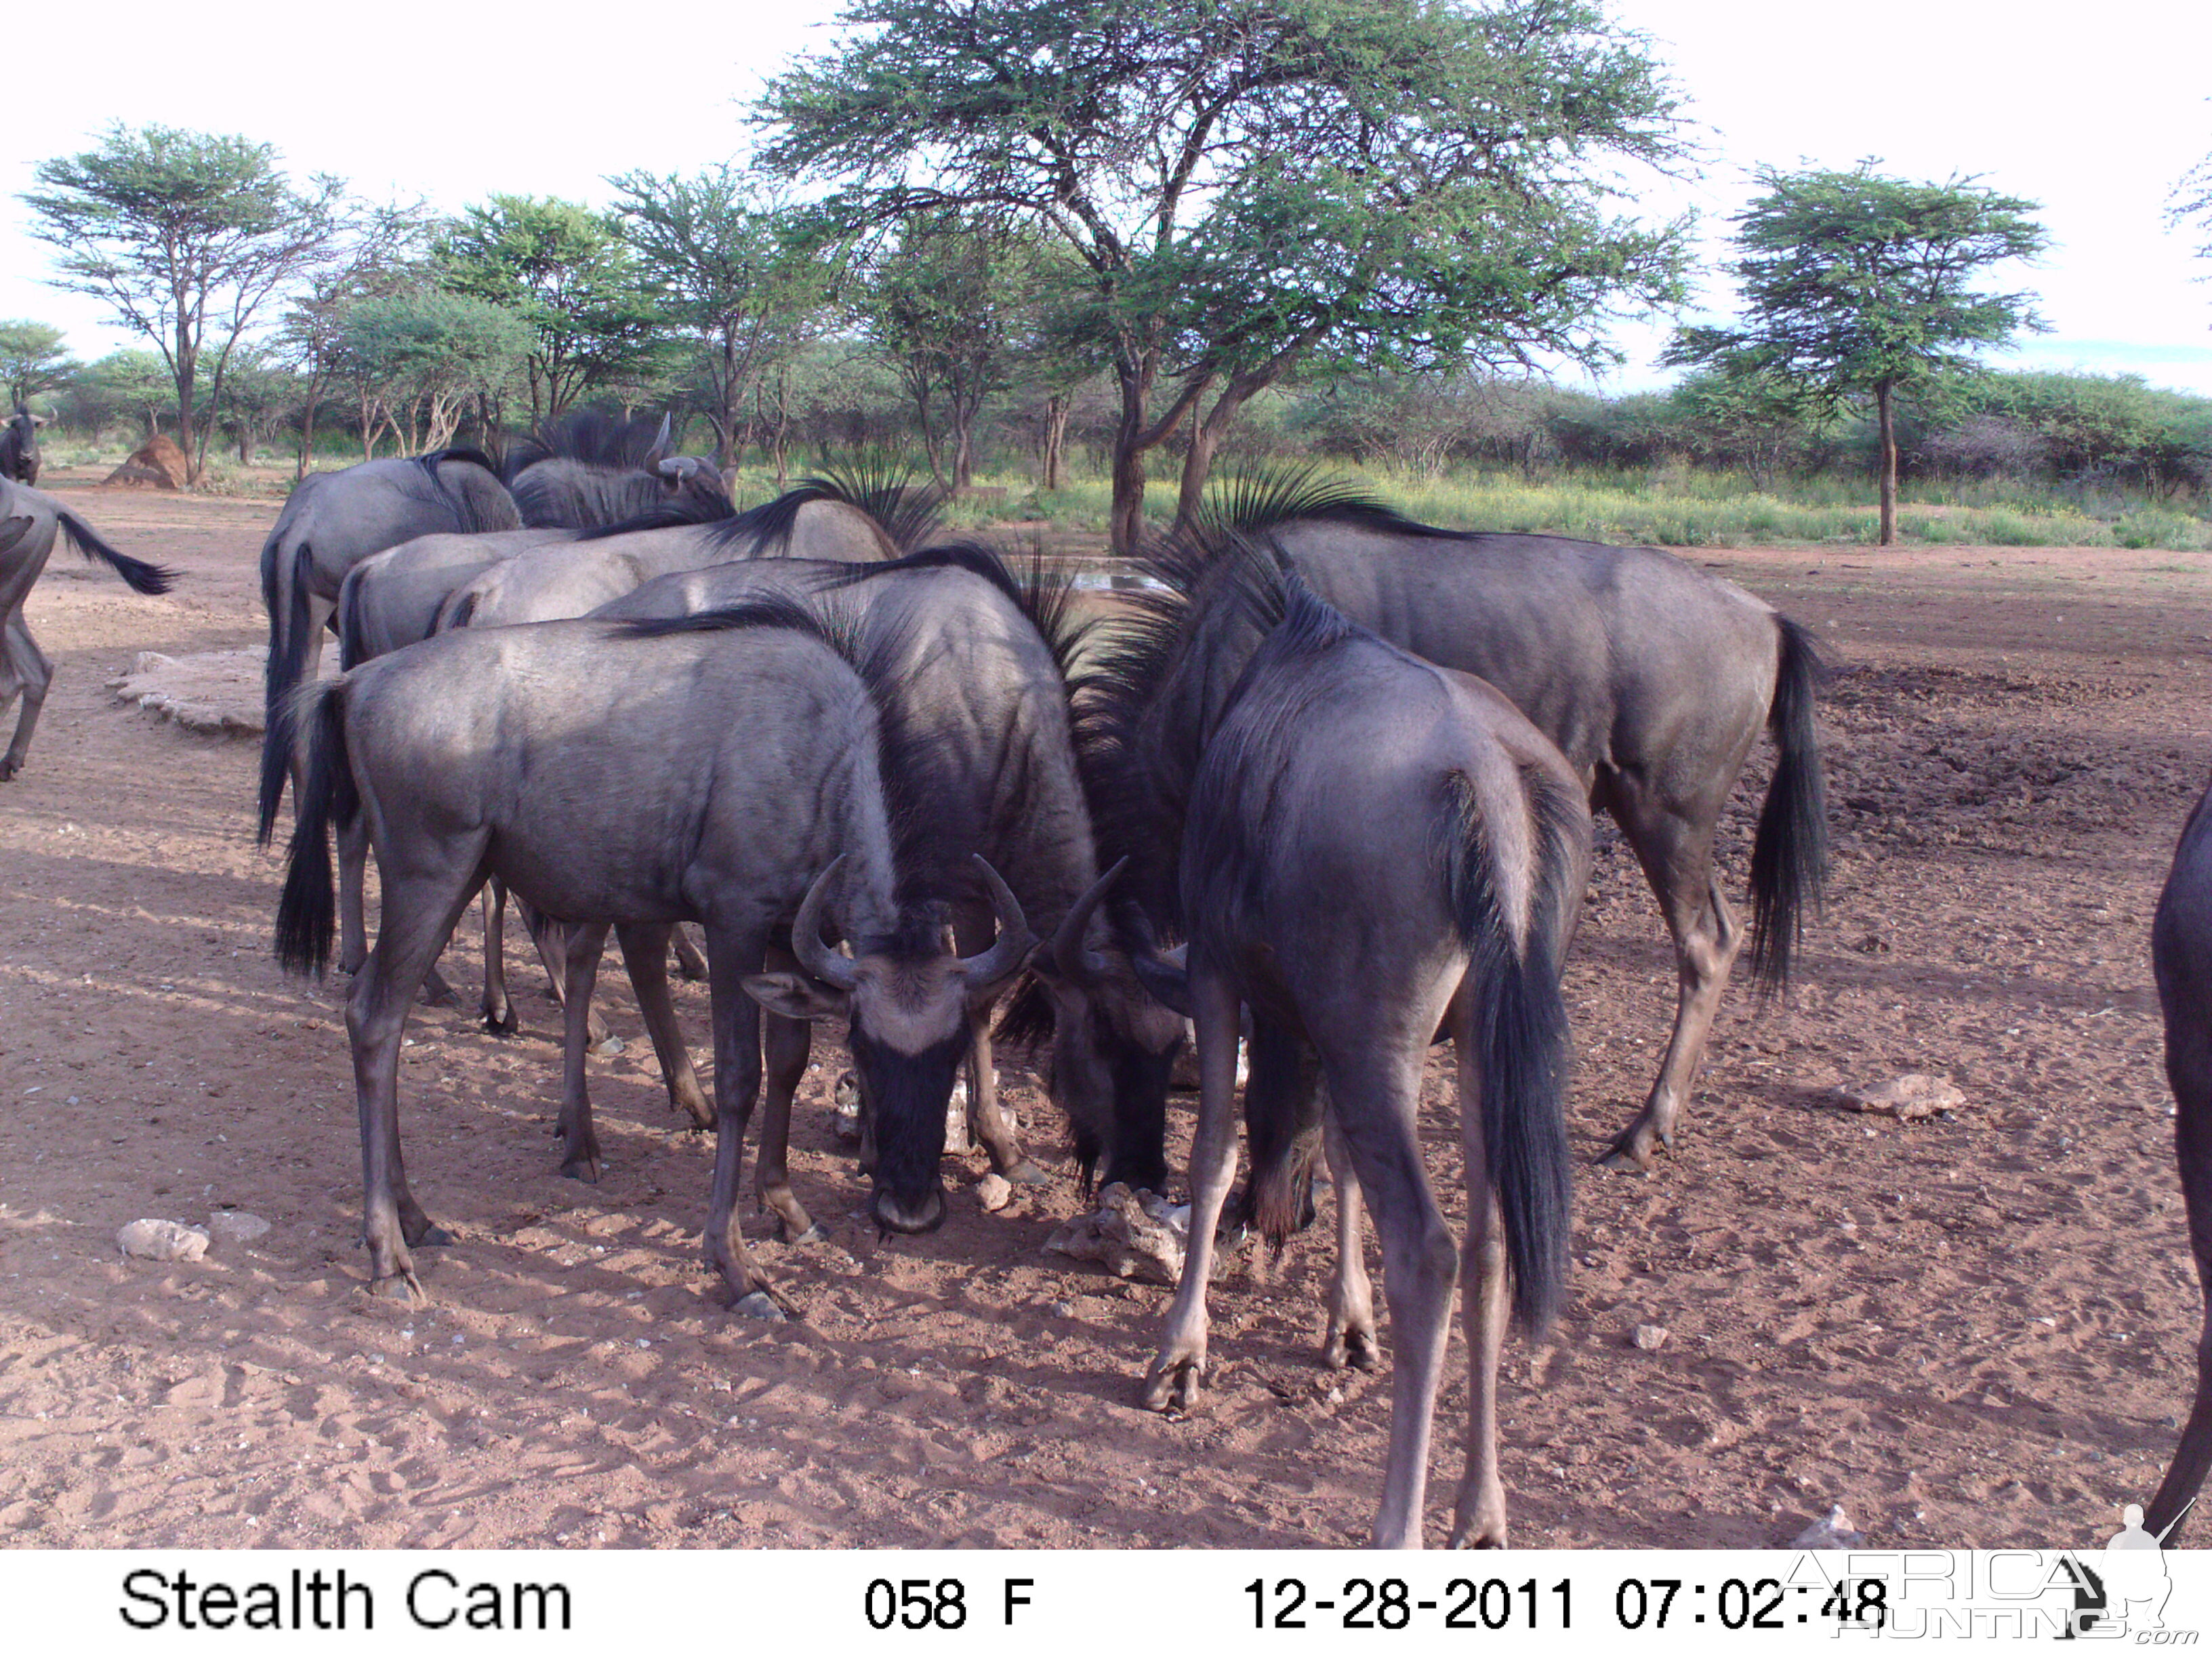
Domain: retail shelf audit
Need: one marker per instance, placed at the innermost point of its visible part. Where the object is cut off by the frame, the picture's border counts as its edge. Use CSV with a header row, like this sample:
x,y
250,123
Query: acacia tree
x,y
567,272
418,359
1249,181
186,235
744,278
950,302
376,253
1857,286
32,359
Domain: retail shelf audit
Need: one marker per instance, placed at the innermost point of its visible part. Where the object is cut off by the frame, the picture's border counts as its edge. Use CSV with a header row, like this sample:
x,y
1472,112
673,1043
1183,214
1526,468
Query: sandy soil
x,y
1972,1331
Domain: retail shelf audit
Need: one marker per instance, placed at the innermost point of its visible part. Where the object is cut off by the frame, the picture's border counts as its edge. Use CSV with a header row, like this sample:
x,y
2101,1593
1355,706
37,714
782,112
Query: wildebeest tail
x,y
1521,1032
291,625
139,577
306,915
1284,1101
1789,854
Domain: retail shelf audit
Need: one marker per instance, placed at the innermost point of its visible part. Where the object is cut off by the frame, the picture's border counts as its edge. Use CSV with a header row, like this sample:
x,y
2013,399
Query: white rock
x,y
1650,1338
993,1192
236,1226
1915,1095
162,1240
1132,1236
1833,1533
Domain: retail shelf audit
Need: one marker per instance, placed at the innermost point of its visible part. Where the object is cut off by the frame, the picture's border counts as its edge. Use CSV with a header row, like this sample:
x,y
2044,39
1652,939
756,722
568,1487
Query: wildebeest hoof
x,y
436,994
1025,1174
398,1287
1479,1531
759,1305
502,1025
582,1166
423,1231
1175,1382
1356,1347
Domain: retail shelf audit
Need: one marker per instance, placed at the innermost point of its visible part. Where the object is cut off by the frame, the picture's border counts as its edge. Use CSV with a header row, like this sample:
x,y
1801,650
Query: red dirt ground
x,y
1968,1331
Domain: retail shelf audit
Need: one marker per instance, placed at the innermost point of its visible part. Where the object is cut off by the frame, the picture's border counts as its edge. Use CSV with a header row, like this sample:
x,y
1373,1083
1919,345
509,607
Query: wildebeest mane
x,y
589,435
1205,585
906,511
1254,499
760,529
916,772
689,508
1046,599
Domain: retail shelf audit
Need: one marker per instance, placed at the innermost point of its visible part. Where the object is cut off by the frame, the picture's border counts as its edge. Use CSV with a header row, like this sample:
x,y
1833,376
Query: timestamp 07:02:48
x,y
1498,1604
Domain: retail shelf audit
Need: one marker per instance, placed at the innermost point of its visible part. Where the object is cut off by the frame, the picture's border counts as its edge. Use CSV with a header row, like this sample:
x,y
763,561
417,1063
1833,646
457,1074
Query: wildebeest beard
x,y
907,1098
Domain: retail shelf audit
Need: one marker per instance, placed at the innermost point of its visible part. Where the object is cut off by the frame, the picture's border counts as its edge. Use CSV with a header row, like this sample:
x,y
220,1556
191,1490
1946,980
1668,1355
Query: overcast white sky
x,y
2095,115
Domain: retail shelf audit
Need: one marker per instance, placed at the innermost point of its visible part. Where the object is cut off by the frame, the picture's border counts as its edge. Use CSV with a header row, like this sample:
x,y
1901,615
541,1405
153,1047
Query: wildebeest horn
x,y
660,444
1075,963
828,966
1015,941
1165,975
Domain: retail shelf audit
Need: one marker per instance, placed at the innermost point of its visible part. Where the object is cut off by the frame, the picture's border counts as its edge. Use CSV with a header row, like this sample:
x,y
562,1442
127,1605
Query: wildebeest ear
x,y
11,532
41,420
796,996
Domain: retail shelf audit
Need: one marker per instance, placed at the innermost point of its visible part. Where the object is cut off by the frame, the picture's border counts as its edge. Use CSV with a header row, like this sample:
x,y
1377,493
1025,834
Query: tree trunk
x,y
1887,421
1131,438
1055,436
307,428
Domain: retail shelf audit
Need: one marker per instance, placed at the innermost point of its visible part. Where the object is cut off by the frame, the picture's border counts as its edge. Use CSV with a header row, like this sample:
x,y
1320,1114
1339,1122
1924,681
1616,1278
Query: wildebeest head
x,y
693,482
19,447
1113,1046
906,999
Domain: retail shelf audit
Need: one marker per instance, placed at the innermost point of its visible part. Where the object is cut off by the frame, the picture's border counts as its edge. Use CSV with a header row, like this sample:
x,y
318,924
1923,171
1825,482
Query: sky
x,y
2095,114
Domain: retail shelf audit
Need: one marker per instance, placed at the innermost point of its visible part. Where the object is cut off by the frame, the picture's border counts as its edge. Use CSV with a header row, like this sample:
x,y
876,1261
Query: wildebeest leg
x,y
989,1121
731,956
690,964
1178,1370
498,1008
644,954
551,937
1675,847
1479,1513
578,1143
23,668
788,1042
1351,1338
420,908
353,887
1375,1097
2184,984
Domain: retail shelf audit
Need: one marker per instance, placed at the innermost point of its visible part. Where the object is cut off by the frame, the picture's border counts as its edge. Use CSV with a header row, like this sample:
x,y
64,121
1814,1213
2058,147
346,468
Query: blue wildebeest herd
x,y
1319,788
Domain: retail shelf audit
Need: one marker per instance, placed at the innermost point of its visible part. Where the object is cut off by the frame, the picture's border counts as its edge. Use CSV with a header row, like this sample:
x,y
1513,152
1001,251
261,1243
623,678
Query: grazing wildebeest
x,y
2181,961
620,775
19,447
975,663
1653,677
1377,851
29,518
586,468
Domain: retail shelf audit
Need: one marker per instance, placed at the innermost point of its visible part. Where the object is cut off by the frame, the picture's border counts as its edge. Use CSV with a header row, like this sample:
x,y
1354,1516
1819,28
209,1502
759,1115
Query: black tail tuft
x,y
137,576
1789,854
1521,1041
306,915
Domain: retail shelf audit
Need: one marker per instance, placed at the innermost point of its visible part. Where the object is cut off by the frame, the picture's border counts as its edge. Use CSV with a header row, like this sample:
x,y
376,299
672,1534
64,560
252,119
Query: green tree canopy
x,y
566,271
186,235
423,356
736,268
1249,181
1855,285
32,359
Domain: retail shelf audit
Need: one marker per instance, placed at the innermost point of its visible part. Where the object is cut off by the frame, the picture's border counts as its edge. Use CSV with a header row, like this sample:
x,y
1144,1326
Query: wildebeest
x,y
331,522
620,775
1652,676
29,519
586,468
976,663
1376,852
2181,961
19,447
